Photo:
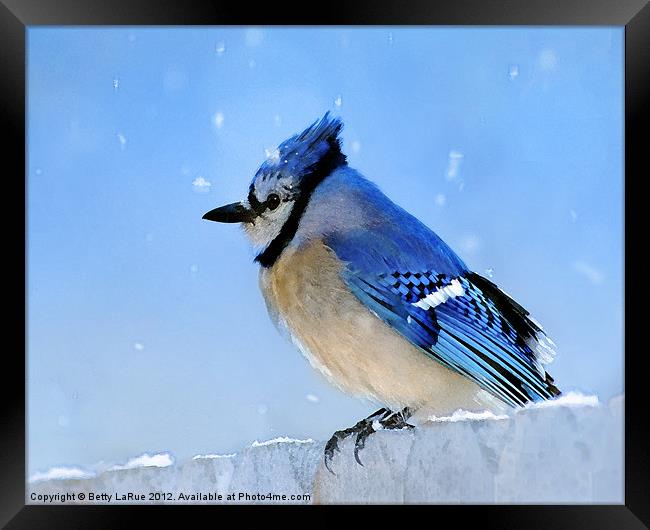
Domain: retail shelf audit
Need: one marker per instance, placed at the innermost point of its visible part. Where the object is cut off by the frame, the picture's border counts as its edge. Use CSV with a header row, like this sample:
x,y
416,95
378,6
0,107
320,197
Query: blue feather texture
x,y
410,279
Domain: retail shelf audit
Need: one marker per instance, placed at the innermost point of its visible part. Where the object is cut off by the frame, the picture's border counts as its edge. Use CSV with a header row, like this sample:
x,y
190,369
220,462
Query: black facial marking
x,y
328,163
255,205
271,202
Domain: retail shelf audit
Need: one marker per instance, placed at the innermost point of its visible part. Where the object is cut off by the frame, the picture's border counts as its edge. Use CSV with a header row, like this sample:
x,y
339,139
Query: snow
x,y
218,119
210,455
201,185
464,415
569,450
272,154
455,158
147,460
281,440
61,473
570,399
220,47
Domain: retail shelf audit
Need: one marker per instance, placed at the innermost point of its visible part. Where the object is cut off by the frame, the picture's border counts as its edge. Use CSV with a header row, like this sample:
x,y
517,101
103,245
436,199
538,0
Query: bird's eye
x,y
273,201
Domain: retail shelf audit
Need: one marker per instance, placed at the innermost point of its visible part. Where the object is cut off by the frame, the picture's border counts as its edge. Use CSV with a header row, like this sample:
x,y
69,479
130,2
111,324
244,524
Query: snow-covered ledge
x,y
569,451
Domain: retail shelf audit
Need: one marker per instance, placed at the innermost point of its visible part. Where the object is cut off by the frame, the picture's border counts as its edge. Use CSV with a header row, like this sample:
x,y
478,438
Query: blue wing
x,y
457,317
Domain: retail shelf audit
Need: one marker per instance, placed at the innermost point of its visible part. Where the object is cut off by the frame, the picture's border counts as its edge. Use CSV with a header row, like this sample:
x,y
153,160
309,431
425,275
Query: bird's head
x,y
282,186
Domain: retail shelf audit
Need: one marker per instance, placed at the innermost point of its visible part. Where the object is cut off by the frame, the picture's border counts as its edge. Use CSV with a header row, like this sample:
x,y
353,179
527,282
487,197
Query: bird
x,y
377,301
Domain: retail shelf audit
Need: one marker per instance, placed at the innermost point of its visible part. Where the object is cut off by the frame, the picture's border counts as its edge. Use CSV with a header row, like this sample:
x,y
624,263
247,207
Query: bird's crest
x,y
326,130
317,149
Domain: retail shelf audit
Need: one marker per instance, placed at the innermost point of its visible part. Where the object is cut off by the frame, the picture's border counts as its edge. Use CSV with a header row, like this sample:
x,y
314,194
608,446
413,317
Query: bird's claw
x,y
385,419
362,435
333,445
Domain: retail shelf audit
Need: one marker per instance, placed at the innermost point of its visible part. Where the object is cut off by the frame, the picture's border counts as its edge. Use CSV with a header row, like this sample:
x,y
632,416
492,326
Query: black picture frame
x,y
17,15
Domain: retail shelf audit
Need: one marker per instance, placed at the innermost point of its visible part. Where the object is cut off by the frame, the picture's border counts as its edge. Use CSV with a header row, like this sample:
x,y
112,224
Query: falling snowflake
x,y
272,154
453,165
201,185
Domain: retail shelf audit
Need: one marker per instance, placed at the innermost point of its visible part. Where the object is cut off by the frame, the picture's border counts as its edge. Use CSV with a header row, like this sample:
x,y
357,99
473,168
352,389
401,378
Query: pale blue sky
x,y
146,329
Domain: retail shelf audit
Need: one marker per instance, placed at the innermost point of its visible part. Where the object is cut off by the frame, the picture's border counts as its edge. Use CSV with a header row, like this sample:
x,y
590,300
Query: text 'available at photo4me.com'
x,y
148,497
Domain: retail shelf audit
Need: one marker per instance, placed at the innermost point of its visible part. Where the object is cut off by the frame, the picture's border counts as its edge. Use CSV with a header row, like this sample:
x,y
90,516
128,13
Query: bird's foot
x,y
362,429
382,419
398,420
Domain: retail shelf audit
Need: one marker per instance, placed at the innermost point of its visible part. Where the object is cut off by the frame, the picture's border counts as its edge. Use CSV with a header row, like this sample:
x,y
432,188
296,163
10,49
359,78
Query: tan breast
x,y
351,346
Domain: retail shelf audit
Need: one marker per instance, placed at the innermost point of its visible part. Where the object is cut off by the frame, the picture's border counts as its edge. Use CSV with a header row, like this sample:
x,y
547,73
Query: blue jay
x,y
375,300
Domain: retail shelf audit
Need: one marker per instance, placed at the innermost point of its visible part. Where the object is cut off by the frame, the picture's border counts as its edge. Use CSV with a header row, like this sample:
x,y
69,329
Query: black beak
x,y
231,213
